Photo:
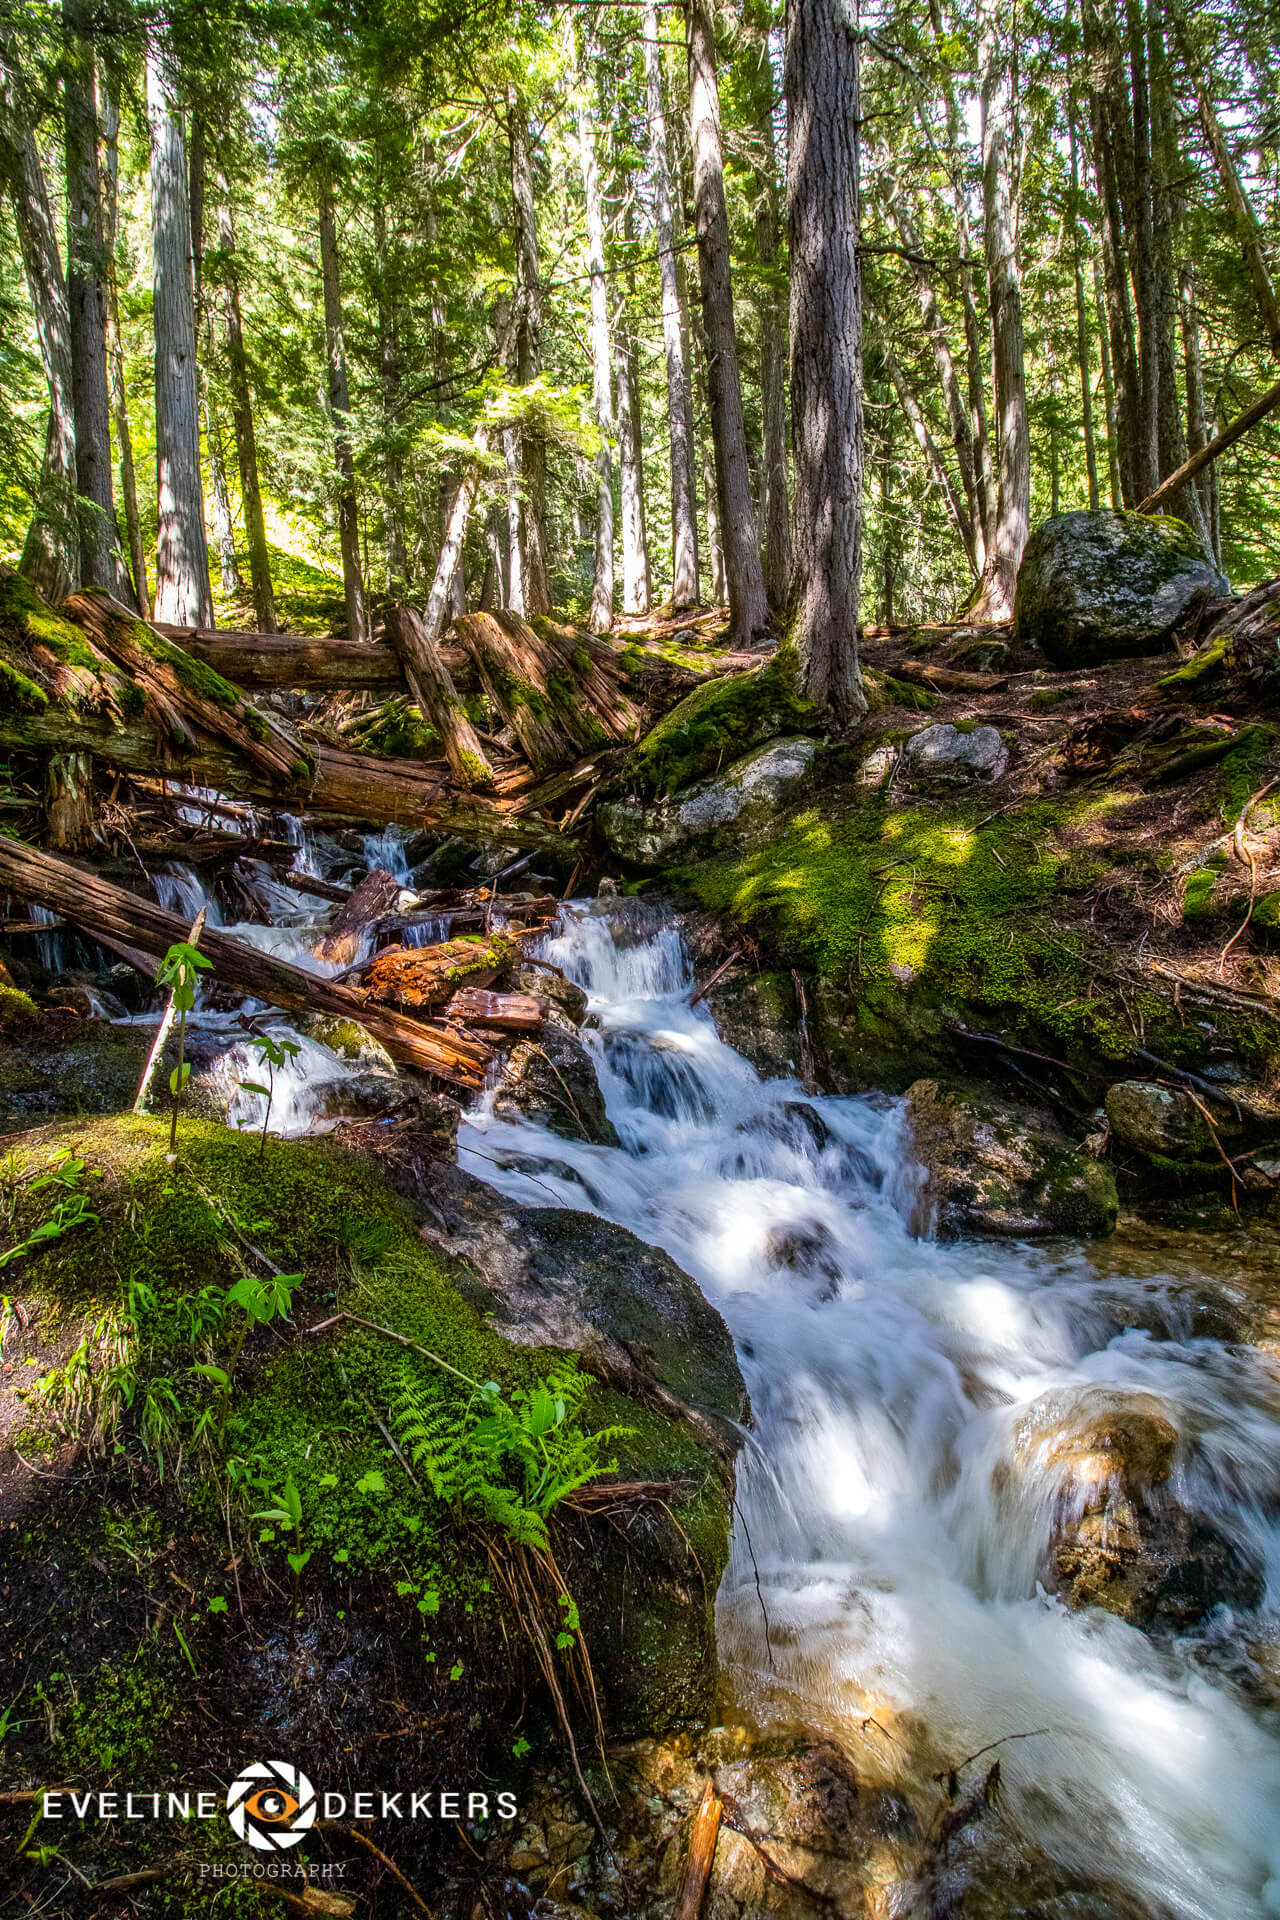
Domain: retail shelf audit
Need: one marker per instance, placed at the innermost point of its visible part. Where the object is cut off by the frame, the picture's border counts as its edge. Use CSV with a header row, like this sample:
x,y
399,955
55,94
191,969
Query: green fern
x,y
510,1464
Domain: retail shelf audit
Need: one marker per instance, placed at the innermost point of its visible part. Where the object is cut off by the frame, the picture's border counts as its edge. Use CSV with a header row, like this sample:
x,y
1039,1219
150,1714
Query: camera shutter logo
x,y
271,1805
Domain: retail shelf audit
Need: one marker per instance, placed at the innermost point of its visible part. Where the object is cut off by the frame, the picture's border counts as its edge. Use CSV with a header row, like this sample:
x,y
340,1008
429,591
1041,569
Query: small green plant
x,y
67,1214
271,1054
287,1512
180,971
511,1463
259,1302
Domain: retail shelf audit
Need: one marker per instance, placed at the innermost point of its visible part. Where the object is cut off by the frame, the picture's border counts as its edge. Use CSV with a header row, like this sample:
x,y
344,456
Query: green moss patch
x,y
717,723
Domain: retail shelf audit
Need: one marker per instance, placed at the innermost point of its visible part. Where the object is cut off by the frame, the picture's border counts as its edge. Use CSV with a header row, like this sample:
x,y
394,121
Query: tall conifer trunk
x,y
183,597
340,409
821,87
744,576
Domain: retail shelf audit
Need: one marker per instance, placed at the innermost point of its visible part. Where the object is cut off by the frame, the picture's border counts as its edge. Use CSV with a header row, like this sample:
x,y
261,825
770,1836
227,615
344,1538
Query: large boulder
x,y
995,1168
1101,586
729,807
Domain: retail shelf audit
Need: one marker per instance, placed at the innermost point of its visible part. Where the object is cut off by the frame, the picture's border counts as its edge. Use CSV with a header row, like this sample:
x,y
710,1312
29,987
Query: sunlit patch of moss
x,y
17,1009
1244,770
919,914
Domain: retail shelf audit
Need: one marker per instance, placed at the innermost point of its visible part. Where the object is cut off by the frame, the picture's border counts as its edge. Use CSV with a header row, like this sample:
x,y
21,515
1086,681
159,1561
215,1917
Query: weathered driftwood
x,y
704,1831
376,894
507,1012
432,687
124,920
429,976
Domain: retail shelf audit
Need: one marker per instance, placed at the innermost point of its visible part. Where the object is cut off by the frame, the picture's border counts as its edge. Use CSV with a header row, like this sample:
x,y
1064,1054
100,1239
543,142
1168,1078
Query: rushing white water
x,y
897,1524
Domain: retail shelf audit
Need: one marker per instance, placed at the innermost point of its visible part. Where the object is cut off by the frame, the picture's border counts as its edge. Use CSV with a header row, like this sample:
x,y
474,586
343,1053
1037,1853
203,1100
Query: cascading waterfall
x,y
898,1527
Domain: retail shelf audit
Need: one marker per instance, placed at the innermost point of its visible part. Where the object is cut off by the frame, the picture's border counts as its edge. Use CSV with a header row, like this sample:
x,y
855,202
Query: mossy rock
x,y
716,724
1097,586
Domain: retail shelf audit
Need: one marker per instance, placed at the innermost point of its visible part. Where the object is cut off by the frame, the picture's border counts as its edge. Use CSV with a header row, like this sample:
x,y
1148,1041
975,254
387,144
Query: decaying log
x,y
507,1012
192,699
70,804
557,689
375,895
431,686
124,920
429,976
949,679
301,660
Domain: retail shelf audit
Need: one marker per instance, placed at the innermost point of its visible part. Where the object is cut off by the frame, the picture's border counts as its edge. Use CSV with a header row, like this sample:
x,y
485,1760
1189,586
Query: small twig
x,y
764,1611
723,968
363,1840
703,1835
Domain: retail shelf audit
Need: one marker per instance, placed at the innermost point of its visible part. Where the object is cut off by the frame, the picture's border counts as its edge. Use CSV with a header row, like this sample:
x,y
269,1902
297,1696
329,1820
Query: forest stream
x,y
899,1490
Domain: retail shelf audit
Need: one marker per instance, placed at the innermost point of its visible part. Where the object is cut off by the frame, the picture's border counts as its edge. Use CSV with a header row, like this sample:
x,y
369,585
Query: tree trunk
x,y
397,559
1013,494
532,515
182,556
1084,358
956,504
224,531
242,418
515,555
1193,379
984,517
744,576
1111,143
601,373
51,551
1108,393
1142,255
823,218
636,586
935,328
340,410
100,562
773,320
110,99
684,512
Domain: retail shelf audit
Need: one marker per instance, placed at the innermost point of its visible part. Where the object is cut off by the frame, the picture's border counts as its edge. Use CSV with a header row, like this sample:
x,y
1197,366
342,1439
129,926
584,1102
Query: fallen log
x,y
948,679
375,895
192,698
429,976
1243,423
704,1832
507,1012
126,920
558,690
431,686
279,661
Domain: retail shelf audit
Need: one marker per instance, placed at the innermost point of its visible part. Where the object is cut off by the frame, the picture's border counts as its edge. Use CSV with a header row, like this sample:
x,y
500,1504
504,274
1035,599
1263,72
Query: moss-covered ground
x,y
208,1538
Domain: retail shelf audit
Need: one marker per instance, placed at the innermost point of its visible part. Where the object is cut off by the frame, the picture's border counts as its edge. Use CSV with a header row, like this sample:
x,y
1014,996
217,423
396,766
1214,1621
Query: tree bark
x,y
1142,255
100,562
1193,379
340,410
1108,393
823,220
636,586
110,99
532,514
1112,142
601,372
264,603
744,576
1013,493
182,558
224,531
389,363
773,321
1084,357
51,551
684,510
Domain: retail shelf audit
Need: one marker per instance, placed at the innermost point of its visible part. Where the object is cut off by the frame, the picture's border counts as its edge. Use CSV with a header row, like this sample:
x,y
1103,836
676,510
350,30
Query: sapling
x,y
180,971
271,1053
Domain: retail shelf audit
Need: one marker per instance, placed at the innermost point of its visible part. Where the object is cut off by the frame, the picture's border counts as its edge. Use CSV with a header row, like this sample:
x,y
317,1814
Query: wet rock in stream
x,y
552,1081
1122,1539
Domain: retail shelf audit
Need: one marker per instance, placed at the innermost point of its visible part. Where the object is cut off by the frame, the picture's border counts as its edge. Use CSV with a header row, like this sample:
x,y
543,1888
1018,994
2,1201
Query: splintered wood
x,y
429,976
